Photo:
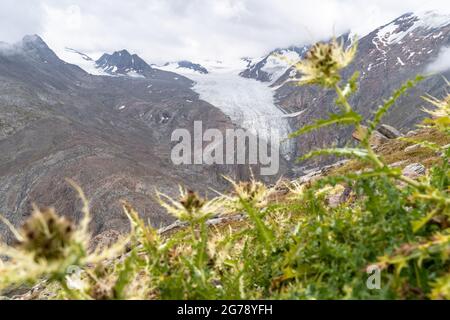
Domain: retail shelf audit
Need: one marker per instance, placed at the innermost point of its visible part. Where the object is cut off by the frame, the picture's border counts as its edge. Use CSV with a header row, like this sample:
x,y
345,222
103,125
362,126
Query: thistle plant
x,y
324,62
190,207
48,245
440,116
252,192
323,66
46,235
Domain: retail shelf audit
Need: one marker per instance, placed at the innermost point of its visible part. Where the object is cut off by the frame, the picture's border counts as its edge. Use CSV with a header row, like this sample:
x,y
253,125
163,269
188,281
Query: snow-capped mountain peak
x,y
34,45
409,23
414,39
411,39
123,63
274,65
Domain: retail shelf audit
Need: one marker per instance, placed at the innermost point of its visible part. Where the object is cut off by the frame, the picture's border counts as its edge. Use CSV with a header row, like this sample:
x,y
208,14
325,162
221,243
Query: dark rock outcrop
x,y
389,131
414,170
193,66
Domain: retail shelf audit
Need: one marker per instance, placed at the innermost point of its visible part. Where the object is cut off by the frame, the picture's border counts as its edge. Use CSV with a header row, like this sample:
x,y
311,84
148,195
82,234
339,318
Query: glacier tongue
x,y
248,102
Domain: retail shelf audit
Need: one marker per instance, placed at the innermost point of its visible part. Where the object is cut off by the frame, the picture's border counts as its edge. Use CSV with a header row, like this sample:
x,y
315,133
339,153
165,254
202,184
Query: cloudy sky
x,y
167,30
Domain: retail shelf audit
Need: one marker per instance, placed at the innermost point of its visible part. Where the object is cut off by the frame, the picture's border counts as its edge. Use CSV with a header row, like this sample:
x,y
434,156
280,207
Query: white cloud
x,y
19,18
162,30
442,62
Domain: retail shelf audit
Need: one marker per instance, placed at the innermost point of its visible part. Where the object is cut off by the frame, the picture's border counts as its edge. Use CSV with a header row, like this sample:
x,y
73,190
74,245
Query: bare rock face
x,y
389,131
414,170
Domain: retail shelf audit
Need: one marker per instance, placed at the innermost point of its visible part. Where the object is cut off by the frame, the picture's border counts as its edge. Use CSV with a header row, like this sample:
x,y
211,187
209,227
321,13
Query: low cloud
x,y
442,62
167,30
8,49
18,18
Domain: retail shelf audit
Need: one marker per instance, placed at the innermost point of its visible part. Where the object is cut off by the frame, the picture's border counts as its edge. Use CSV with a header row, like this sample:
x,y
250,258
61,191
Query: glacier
x,y
249,103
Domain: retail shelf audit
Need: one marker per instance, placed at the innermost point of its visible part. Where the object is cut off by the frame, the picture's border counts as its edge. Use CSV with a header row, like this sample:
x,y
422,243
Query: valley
x,y
106,121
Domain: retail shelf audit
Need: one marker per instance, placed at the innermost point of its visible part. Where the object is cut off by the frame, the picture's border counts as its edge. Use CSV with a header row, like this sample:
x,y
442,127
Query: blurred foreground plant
x,y
48,246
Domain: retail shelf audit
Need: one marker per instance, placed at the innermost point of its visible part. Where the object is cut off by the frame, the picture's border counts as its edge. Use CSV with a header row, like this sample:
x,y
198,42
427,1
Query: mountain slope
x,y
387,57
123,63
110,134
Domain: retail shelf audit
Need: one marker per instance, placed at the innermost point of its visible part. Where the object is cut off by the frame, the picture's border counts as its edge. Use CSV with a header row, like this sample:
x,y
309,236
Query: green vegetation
x,y
294,241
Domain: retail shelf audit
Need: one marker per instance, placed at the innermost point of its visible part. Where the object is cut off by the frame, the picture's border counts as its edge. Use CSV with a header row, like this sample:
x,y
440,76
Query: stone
x,y
338,196
444,148
389,131
411,133
414,170
413,148
398,164
359,133
377,139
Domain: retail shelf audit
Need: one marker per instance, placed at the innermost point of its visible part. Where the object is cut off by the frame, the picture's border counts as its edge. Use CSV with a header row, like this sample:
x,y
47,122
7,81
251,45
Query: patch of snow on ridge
x,y
399,61
134,74
391,33
82,60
